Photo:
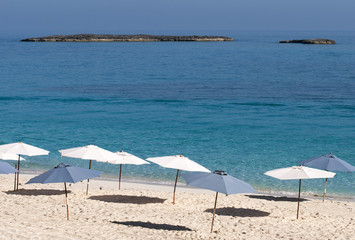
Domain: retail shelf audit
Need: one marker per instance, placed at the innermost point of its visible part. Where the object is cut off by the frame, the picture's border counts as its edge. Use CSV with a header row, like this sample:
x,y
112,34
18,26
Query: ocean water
x,y
245,107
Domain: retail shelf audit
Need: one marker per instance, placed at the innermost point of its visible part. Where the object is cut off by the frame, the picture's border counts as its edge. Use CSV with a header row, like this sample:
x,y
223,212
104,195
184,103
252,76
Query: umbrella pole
x,y
119,178
299,195
177,175
66,199
214,211
325,189
15,179
87,185
18,169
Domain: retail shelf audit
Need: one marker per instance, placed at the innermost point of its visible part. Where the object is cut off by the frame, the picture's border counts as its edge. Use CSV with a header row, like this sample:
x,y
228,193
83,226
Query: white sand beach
x,y
143,211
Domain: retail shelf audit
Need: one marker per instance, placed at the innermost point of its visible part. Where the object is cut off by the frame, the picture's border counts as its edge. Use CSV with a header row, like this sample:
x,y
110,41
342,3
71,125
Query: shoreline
x,y
145,183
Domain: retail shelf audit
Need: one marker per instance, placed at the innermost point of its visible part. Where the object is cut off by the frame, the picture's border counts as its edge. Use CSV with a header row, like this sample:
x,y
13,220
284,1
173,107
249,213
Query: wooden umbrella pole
x,y
66,199
177,175
214,211
15,179
119,178
299,195
18,173
325,189
87,186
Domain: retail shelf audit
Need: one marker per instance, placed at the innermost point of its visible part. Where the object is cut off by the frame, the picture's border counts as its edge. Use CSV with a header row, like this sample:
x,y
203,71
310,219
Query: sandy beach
x,y
143,211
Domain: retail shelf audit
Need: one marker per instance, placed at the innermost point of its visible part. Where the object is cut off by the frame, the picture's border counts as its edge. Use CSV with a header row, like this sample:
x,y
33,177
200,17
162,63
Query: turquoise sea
x,y
245,107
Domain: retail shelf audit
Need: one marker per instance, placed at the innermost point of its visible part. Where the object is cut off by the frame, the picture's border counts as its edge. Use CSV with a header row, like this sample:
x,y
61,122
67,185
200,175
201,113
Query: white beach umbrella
x,y
21,148
178,162
10,156
89,152
126,158
299,172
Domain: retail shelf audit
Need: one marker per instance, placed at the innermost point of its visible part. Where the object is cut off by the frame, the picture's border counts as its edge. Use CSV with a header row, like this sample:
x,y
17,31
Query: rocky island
x,y
125,38
310,41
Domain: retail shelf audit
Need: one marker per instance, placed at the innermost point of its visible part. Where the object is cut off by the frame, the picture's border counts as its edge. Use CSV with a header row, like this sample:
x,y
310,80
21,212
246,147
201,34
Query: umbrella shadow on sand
x,y
239,212
156,226
276,199
37,192
127,199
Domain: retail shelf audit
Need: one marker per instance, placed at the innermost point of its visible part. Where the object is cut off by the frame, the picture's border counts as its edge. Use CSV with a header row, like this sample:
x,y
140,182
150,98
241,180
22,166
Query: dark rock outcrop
x,y
310,41
124,38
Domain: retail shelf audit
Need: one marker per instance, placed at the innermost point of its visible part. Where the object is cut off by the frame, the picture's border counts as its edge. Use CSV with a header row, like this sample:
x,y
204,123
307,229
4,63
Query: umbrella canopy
x,y
64,173
15,157
6,168
21,148
126,158
10,156
298,172
328,162
178,162
89,152
220,182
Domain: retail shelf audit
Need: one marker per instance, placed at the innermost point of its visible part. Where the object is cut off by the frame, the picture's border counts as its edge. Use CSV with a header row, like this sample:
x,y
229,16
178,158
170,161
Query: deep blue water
x,y
245,107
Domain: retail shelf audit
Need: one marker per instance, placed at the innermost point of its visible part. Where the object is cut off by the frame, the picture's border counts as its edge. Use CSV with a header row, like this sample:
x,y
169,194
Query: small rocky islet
x,y
153,38
310,41
126,38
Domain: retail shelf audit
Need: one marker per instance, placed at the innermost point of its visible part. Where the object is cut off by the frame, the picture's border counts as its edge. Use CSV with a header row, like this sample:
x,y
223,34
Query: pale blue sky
x,y
130,16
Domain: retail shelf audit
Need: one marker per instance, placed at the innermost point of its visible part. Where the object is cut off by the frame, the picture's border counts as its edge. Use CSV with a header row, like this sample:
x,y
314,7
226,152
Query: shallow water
x,y
245,107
